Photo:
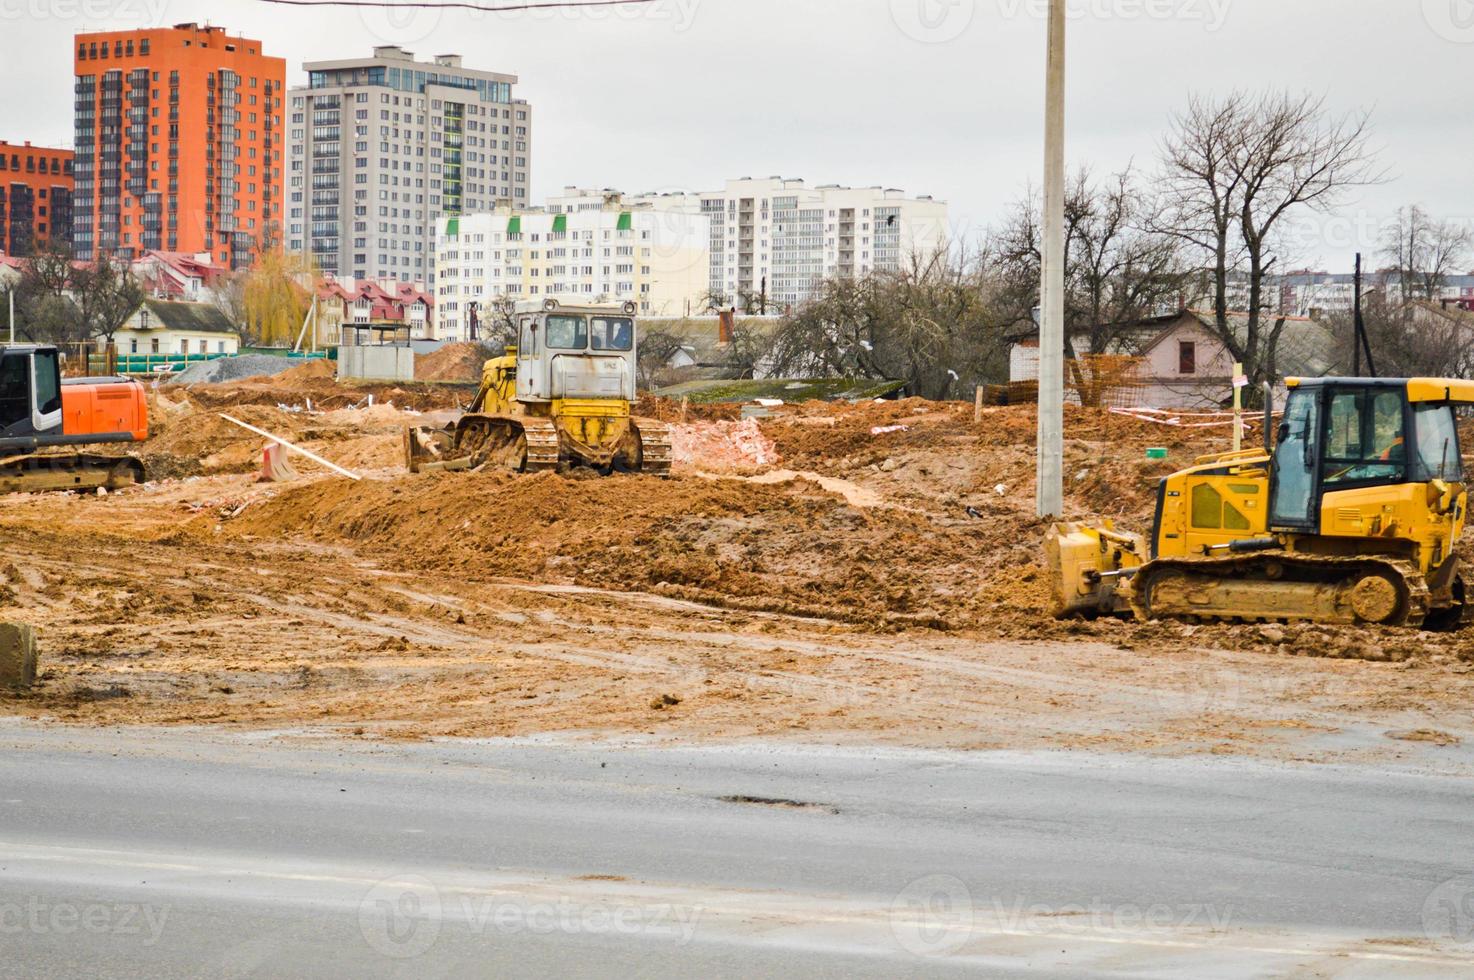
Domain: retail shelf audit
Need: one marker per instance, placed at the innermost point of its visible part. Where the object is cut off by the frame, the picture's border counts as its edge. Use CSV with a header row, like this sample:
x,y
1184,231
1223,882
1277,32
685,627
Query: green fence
x,y
173,363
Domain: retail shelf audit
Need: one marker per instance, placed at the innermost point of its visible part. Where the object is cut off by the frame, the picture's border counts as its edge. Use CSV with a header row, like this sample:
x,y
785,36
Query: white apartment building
x,y
776,239
379,148
605,251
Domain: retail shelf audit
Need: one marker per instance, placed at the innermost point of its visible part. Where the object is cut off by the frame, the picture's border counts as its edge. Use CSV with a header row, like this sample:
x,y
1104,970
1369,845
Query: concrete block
x,y
17,656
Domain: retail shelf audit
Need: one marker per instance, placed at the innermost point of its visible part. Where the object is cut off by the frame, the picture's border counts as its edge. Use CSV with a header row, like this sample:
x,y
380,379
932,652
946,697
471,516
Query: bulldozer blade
x,y
1086,566
424,447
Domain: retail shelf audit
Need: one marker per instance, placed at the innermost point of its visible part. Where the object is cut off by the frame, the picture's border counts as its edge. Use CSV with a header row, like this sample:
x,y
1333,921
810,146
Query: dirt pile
x,y
307,372
791,548
454,362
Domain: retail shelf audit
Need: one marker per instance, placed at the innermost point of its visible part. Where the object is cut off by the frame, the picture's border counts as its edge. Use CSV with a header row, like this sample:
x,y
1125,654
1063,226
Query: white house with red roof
x,y
364,303
179,275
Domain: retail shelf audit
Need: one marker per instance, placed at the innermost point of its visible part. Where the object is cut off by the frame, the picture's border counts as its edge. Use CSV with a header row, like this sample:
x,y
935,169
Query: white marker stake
x,y
294,448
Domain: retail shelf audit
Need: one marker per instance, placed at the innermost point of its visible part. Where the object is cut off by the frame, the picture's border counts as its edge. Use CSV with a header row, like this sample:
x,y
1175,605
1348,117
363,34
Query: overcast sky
x,y
939,97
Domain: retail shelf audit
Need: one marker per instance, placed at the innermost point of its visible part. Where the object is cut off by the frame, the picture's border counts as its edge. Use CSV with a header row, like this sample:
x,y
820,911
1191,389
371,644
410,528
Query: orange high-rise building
x,y
178,144
35,197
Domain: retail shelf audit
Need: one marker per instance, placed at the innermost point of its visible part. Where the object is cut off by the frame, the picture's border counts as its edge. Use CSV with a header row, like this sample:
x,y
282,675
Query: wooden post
x,y
1238,407
977,407
685,400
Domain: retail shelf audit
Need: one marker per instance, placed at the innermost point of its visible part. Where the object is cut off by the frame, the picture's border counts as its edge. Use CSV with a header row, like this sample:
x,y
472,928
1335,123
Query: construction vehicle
x,y
560,398
1350,513
42,415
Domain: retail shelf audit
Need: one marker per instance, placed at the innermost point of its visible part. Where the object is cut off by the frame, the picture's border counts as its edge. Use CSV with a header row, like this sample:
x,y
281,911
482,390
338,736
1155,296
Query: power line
x,y
459,4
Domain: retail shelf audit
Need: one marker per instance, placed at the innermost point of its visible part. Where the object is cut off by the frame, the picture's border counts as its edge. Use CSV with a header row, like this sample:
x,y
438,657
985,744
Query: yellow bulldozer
x,y
1350,513
561,397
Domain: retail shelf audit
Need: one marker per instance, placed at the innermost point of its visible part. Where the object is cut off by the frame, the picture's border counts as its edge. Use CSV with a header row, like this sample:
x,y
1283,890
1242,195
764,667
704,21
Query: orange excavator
x,y
45,419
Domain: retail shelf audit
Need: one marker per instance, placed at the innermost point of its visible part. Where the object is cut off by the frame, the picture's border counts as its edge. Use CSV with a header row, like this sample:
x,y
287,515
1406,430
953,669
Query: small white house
x,y
172,327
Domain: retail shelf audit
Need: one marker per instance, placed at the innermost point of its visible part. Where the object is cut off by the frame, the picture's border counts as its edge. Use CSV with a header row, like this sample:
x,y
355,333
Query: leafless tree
x,y
1235,168
1425,251
652,358
1117,268
931,324
106,296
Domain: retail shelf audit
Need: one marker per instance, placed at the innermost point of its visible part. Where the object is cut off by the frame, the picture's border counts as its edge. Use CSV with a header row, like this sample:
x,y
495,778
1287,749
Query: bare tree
x,y
1117,269
652,359
931,324
1425,251
1235,169
106,297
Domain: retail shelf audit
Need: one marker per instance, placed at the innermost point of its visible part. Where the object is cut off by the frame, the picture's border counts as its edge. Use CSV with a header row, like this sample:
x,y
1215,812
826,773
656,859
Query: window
x,y
568,333
47,371
1438,444
15,387
1187,357
1364,437
613,333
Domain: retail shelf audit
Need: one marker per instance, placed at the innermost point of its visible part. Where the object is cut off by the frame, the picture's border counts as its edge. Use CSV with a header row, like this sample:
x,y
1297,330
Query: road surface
x,y
153,853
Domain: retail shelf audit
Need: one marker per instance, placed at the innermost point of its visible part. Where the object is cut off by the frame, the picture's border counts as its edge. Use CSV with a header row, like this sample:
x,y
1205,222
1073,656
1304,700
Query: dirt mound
x,y
454,362
791,548
317,369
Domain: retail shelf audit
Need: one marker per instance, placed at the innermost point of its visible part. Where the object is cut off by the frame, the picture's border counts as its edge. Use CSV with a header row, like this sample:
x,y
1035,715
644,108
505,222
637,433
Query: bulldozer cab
x,y
1345,434
575,353
30,391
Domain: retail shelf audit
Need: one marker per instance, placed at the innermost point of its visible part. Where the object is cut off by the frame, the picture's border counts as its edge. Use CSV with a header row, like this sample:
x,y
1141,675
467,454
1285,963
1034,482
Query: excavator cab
x,y
30,393
1351,513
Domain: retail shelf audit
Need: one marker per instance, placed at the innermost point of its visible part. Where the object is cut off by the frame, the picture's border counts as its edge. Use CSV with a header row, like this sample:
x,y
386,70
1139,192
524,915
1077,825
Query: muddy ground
x,y
860,572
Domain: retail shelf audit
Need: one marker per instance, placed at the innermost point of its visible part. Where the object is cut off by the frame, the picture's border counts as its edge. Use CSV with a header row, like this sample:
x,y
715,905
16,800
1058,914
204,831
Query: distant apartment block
x,y
1319,293
178,143
776,239
35,198
605,251
382,147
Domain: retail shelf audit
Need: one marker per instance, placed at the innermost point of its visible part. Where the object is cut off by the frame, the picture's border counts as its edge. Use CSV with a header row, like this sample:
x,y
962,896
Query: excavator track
x,y
1283,587
655,450
43,472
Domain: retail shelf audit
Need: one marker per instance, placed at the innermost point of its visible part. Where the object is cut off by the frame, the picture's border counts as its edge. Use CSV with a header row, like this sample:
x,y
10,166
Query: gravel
x,y
232,369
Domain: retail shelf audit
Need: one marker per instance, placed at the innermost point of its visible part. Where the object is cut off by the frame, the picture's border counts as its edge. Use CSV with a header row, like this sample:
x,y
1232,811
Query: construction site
x,y
849,572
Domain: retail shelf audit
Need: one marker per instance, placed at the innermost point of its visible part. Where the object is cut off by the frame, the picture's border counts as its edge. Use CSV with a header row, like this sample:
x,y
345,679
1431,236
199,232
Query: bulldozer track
x,y
542,444
1336,574
655,449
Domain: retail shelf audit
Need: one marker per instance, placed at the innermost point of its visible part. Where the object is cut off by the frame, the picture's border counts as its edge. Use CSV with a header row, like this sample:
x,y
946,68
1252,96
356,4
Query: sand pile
x,y
454,363
308,371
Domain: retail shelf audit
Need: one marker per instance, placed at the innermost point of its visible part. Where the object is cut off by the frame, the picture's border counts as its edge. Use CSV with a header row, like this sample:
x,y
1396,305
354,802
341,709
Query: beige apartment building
x,y
609,251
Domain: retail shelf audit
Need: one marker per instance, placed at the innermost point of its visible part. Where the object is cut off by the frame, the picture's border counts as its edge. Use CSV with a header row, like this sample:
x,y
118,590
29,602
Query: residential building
x,y
774,240
1178,361
171,327
382,147
178,143
613,253
178,275
1323,293
35,197
364,304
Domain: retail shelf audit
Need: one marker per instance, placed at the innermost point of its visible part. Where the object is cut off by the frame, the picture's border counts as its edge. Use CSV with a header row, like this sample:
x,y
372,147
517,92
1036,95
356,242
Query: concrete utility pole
x,y
1052,314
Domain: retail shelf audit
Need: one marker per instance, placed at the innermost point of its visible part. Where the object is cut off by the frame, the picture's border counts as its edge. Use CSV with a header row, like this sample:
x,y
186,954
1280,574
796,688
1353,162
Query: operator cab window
x,y
15,389
1365,438
1437,444
613,333
568,333
529,337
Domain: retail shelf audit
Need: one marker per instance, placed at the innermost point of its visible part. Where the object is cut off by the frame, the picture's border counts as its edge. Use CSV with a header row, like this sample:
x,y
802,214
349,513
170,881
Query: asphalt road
x,y
185,853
